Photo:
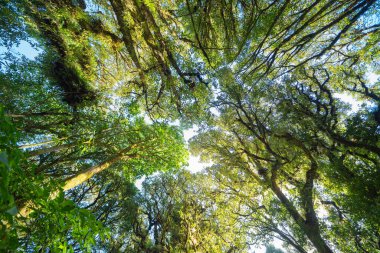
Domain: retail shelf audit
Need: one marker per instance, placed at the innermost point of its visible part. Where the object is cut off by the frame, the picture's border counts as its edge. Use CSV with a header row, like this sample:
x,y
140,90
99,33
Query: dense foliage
x,y
284,95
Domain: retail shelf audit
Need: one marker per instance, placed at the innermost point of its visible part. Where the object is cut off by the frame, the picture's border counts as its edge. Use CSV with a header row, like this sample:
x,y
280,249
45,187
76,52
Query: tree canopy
x,y
285,97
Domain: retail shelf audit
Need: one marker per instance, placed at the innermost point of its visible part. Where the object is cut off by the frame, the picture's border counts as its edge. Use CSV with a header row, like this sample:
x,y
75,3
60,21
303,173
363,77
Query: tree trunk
x,y
26,208
318,242
309,226
83,176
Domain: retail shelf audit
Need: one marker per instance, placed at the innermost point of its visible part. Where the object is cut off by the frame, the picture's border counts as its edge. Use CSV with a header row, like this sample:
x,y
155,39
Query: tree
x,y
65,147
277,146
84,44
174,215
98,108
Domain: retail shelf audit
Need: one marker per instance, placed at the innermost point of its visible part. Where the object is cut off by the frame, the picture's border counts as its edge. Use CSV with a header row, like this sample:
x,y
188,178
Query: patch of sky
x,y
195,165
139,182
24,48
262,249
347,98
355,104
373,78
91,6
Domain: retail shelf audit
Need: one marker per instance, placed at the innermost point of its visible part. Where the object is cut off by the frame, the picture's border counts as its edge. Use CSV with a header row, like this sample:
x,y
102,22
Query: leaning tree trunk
x,y
27,207
80,178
